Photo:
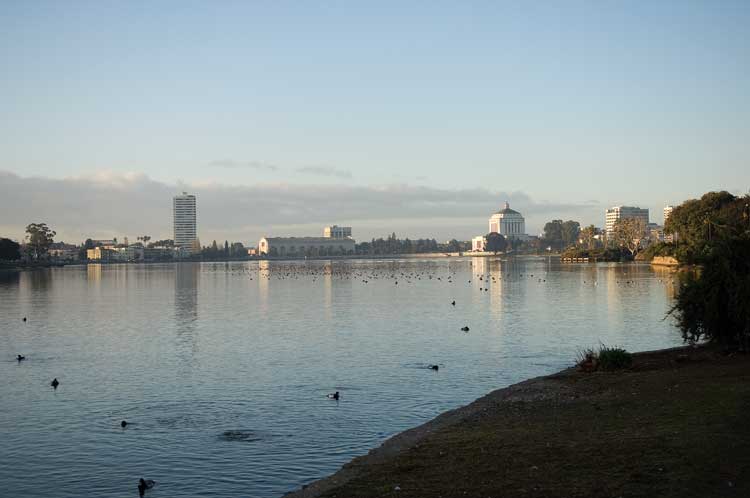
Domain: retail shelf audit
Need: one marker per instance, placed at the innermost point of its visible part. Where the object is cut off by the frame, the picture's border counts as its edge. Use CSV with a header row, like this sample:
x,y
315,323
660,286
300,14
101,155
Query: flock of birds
x,y
364,276
143,484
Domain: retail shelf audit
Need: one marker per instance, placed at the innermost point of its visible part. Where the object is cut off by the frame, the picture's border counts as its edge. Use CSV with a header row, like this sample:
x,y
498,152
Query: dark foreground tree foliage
x,y
698,223
713,302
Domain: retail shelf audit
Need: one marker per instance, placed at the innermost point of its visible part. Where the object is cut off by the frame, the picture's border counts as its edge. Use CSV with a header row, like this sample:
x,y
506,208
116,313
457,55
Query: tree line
x,y
393,245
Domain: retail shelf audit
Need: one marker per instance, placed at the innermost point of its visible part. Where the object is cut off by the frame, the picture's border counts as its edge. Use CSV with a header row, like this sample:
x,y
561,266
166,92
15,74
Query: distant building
x,y
184,223
105,242
655,232
617,213
99,253
116,253
508,223
159,253
478,243
337,232
305,246
63,252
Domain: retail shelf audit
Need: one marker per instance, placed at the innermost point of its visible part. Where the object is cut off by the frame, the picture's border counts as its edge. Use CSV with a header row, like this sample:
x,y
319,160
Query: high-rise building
x,y
185,226
617,213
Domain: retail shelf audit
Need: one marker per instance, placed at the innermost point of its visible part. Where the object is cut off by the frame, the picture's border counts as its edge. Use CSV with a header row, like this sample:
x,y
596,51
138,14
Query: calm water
x,y
222,369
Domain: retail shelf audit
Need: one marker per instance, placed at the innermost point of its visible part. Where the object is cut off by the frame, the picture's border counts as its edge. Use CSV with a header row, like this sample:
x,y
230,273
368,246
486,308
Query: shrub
x,y
607,358
614,358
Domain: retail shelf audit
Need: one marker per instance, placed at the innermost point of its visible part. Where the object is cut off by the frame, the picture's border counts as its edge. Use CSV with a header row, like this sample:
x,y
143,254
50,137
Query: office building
x,y
185,226
617,213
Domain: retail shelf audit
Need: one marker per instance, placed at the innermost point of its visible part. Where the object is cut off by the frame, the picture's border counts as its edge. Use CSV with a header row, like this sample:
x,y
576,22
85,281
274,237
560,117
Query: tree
x,y
495,242
9,250
163,243
628,233
553,234
569,232
39,237
587,236
714,302
696,222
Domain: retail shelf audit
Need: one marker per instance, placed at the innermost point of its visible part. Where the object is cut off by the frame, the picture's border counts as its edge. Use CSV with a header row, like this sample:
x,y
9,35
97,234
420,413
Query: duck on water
x,y
144,484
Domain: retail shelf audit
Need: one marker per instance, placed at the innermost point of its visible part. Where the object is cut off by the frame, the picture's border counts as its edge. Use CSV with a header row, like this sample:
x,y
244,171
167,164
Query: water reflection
x,y
10,278
186,310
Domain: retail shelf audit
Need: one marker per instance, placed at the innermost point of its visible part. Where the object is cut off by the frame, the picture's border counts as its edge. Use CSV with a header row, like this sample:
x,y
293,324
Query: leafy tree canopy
x,y
39,237
495,242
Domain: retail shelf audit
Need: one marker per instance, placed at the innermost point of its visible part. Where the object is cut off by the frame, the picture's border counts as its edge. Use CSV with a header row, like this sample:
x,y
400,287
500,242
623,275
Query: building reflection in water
x,y
327,270
264,274
495,275
186,277
94,275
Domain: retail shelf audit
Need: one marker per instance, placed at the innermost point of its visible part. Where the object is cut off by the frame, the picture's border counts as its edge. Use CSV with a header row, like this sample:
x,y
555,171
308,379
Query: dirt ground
x,y
676,424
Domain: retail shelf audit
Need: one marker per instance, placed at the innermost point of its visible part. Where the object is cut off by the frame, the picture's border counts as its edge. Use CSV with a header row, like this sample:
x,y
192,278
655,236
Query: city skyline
x,y
373,212
443,113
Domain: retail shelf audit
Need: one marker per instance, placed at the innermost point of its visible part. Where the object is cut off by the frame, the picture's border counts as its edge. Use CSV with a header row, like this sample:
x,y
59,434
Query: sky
x,y
415,117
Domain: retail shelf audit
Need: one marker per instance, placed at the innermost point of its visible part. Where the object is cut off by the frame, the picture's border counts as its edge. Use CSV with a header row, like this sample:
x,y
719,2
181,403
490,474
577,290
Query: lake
x,y
222,369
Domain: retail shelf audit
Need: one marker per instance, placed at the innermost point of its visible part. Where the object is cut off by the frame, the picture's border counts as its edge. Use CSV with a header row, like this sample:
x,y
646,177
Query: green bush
x,y
607,358
614,358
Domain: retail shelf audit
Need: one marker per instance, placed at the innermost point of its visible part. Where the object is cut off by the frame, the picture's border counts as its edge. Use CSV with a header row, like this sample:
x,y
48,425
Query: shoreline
x,y
406,461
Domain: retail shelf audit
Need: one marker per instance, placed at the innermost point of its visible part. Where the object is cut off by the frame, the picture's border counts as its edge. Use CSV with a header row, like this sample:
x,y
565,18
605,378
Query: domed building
x,y
508,223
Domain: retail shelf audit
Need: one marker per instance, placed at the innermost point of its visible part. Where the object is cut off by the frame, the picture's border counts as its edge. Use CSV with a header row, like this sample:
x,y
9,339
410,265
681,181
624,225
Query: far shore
x,y
430,255
674,424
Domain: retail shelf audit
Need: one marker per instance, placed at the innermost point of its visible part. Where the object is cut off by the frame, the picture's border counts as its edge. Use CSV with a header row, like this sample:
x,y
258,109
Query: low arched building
x,y
305,246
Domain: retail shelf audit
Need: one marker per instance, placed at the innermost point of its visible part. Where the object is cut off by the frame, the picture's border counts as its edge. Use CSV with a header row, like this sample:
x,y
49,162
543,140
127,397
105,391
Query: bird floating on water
x,y
465,328
434,367
20,357
124,424
453,303
55,383
334,396
24,319
144,484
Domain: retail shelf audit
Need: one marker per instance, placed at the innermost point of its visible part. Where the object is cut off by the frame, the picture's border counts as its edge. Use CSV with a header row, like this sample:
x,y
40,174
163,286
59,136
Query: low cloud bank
x,y
115,204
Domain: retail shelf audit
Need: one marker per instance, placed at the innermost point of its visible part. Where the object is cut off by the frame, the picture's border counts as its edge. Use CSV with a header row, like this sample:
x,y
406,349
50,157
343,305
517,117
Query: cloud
x,y
229,163
107,204
325,171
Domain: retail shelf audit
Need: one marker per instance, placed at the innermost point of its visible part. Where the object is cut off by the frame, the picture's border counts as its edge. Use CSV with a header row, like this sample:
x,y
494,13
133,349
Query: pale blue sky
x,y
615,102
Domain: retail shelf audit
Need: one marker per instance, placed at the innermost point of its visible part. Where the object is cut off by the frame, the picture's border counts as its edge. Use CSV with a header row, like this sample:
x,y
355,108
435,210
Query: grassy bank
x,y
674,424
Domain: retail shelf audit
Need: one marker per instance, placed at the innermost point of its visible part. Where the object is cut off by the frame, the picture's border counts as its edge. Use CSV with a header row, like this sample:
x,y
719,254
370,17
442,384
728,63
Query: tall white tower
x,y
185,226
